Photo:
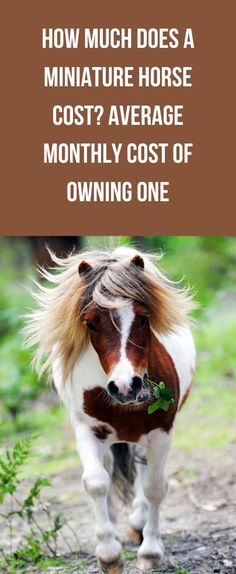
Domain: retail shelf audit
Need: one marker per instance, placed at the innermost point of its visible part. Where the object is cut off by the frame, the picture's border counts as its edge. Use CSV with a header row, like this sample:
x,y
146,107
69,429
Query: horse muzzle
x,y
137,392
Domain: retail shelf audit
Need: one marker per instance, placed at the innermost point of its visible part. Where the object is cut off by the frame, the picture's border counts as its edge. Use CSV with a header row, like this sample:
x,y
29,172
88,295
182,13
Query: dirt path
x,y
197,519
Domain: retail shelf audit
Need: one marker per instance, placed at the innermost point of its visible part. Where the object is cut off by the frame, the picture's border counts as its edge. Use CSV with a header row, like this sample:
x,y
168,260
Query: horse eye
x,y
90,325
143,320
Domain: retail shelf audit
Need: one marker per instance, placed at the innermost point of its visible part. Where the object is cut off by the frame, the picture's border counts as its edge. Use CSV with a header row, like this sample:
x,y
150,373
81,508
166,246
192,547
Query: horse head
x,y
121,337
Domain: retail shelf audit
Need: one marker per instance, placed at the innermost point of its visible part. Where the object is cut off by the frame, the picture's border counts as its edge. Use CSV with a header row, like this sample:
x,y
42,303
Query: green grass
x,y
49,562
129,555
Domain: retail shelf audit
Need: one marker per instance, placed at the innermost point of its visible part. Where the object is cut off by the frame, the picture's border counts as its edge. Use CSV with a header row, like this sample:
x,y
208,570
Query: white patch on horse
x,y
181,348
124,371
86,374
126,316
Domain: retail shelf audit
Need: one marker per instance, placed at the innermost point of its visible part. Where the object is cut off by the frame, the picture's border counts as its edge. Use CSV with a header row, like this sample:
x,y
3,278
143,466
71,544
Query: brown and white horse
x,y
107,322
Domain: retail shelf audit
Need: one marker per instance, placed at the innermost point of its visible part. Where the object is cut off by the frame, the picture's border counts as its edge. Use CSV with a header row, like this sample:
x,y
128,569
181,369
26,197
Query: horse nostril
x,y
112,388
136,384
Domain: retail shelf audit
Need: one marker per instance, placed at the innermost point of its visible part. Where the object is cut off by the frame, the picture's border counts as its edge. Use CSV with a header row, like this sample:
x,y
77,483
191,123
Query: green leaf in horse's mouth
x,y
163,396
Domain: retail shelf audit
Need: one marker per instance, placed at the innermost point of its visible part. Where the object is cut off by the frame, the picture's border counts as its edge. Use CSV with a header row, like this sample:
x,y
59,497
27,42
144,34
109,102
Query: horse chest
x,y
133,421
129,422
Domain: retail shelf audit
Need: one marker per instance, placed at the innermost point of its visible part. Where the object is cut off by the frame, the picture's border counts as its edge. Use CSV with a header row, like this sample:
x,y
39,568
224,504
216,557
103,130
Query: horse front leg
x,y
109,466
96,480
138,517
151,550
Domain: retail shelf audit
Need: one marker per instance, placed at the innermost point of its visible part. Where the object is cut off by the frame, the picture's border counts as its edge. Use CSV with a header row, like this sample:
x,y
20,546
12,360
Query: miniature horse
x,y
106,323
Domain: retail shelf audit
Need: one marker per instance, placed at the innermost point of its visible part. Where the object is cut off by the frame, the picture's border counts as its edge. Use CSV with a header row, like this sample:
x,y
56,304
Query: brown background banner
x,y
33,195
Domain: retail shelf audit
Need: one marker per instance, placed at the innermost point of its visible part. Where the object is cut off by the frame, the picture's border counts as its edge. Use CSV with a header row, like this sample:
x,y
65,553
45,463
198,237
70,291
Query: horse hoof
x,y
147,563
112,567
135,535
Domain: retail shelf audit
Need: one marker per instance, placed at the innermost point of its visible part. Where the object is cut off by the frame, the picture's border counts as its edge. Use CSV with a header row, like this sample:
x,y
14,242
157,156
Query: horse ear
x,y
84,268
138,261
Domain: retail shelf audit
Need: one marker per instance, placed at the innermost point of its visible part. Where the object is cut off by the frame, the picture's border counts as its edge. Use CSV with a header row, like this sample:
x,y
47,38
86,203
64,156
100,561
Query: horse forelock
x,y
57,327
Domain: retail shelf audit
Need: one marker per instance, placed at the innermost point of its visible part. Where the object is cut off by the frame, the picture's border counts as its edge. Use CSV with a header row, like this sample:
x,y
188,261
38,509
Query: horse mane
x,y
56,326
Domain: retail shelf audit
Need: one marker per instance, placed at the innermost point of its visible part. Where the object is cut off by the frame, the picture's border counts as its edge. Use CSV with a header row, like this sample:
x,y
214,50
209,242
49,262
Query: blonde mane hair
x,y
56,327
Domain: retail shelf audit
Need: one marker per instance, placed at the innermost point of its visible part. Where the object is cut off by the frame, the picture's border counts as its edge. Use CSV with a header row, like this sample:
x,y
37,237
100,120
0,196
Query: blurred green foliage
x,y
18,382
207,263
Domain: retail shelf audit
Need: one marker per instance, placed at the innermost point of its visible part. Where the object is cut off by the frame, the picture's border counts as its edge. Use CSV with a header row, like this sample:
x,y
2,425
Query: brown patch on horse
x,y
101,431
131,421
138,344
135,535
116,567
184,399
105,337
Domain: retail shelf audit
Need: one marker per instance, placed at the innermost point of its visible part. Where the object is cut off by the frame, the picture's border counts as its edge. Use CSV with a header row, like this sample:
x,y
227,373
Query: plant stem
x,y
10,522
74,534
42,532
